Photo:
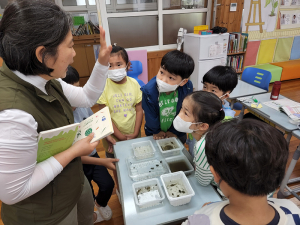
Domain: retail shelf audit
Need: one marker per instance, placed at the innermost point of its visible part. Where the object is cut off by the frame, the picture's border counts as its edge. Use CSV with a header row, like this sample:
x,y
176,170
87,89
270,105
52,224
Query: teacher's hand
x,y
84,147
105,50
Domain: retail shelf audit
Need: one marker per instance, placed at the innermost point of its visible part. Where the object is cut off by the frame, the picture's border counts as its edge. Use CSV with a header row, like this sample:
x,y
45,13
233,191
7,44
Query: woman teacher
x,y
36,45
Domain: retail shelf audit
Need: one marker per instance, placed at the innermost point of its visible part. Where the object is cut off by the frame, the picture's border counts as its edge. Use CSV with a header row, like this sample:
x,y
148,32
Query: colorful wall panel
x,y
283,49
266,51
251,53
295,53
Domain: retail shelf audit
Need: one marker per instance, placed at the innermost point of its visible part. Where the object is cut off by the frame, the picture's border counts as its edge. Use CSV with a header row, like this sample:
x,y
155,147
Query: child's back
x,y
164,94
248,160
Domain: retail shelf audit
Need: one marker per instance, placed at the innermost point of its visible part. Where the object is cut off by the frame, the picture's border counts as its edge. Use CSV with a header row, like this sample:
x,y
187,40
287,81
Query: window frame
x,y
107,11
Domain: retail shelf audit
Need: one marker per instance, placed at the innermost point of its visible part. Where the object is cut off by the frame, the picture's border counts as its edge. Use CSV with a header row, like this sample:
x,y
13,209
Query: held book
x,y
52,142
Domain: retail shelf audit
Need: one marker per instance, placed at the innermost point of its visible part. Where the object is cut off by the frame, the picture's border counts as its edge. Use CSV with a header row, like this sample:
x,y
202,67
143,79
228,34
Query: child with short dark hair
x,y
164,94
93,166
221,80
200,110
248,160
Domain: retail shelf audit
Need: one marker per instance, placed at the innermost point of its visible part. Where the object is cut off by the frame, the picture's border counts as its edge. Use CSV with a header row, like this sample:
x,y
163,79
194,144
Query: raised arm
x,y
90,93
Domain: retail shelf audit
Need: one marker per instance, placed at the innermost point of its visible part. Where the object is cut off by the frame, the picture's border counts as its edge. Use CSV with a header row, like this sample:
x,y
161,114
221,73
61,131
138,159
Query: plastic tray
x,y
146,183
145,154
181,158
169,153
181,178
145,169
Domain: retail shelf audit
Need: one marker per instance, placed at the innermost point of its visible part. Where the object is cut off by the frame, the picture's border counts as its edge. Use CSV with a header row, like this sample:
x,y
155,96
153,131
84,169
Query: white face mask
x,y
183,126
117,75
164,87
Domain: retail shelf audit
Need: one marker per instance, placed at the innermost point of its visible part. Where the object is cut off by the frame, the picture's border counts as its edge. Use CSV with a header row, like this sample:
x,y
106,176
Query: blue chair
x,y
257,77
135,70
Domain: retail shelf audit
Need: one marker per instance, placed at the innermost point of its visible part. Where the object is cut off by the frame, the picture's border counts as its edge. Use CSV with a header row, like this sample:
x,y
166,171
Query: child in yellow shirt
x,y
123,96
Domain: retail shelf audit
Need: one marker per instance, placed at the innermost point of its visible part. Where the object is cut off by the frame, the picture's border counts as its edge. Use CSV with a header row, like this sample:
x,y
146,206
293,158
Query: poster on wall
x,y
285,2
290,19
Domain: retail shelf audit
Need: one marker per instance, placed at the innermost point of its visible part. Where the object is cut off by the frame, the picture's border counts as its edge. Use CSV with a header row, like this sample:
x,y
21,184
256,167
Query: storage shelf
x,y
238,53
240,72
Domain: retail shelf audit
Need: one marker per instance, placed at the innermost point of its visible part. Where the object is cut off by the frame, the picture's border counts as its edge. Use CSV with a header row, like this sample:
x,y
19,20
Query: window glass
x,y
3,3
73,2
134,31
132,6
93,2
172,23
184,4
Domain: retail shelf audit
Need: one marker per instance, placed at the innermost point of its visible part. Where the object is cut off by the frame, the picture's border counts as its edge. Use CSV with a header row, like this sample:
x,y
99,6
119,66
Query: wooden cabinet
x,y
225,18
84,60
154,60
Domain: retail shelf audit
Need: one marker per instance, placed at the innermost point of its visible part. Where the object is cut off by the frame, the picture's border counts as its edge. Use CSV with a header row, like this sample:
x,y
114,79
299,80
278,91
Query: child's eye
x,y
171,78
161,72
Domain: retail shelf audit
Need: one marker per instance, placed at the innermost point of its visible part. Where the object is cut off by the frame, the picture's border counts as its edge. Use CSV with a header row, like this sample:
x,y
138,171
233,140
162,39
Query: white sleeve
x,y
88,95
20,175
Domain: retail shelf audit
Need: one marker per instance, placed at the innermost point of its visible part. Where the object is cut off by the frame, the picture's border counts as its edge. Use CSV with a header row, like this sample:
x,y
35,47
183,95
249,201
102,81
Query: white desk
x,y
165,213
244,89
271,116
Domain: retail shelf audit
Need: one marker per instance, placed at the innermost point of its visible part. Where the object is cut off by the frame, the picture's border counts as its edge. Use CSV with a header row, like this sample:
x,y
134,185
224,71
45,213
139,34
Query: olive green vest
x,y
55,201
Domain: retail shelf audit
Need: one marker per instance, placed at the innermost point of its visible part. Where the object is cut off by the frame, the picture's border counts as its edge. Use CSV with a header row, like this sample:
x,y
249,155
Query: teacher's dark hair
x,y
26,25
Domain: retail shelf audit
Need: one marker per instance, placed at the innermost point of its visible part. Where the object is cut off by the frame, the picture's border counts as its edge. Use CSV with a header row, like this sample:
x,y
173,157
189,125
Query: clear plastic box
x,y
143,150
183,159
145,169
147,183
178,177
172,143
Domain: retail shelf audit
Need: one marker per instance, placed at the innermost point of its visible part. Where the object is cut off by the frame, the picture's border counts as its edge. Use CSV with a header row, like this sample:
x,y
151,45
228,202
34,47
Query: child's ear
x,y
215,174
183,82
203,126
128,66
227,94
39,53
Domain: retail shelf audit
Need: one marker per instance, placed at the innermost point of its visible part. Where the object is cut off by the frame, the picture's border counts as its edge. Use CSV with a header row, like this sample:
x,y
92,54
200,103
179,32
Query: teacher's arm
x,y
20,175
88,95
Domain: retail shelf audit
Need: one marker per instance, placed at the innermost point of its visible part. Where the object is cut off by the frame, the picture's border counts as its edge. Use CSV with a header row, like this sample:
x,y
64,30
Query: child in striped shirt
x,y
199,111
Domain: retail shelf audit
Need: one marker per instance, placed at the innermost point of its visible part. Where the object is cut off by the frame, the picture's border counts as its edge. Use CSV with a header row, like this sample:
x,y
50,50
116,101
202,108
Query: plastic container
x,y
183,164
181,178
200,28
140,152
147,183
169,141
145,169
275,90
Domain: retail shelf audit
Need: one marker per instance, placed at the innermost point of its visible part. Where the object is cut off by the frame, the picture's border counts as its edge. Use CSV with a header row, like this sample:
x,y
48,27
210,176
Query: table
x,y
244,89
271,116
284,185
165,213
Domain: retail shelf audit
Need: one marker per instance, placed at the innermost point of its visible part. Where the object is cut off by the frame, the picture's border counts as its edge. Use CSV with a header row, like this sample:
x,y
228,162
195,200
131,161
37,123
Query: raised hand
x,y
104,52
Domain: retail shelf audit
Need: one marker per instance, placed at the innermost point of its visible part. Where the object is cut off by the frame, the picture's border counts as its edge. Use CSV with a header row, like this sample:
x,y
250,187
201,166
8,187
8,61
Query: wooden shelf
x,y
239,72
238,53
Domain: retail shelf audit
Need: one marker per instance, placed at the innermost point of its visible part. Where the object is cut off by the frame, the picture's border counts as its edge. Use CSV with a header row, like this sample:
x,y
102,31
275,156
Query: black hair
x,y
178,63
249,155
120,51
72,76
224,77
26,25
207,107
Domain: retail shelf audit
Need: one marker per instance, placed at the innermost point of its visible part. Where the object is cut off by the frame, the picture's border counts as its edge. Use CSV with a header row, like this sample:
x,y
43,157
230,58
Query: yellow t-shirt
x,y
121,100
